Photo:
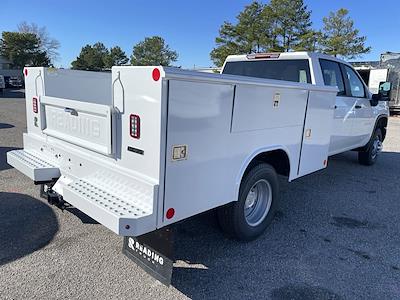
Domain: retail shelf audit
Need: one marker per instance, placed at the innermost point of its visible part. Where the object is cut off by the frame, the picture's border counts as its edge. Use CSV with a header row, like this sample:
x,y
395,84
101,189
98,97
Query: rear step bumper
x,y
30,163
122,203
125,215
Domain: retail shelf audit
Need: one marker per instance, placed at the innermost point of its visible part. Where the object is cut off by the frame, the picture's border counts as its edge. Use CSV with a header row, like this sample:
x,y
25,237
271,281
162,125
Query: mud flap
x,y
153,252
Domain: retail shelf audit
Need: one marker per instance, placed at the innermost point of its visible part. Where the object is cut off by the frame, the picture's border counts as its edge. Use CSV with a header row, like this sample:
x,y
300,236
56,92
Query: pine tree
x,y
116,57
91,58
340,38
282,25
292,23
250,34
153,51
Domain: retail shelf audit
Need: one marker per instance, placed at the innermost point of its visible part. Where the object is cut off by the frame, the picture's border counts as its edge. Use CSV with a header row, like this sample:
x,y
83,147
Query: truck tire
x,y
247,218
370,155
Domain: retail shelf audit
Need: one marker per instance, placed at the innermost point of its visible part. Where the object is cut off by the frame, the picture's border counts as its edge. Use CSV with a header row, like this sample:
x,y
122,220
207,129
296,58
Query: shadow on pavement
x,y
85,219
6,126
26,225
3,157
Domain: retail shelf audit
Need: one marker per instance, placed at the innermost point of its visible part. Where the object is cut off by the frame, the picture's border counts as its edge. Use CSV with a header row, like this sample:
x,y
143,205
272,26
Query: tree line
x,y
285,25
32,45
280,25
152,51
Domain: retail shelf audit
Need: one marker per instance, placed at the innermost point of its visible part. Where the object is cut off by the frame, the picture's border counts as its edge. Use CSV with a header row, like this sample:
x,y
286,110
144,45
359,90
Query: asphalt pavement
x,y
335,236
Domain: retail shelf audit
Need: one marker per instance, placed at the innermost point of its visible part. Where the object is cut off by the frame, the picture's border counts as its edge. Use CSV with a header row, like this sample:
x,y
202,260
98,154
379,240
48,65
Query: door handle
x,y
71,111
358,106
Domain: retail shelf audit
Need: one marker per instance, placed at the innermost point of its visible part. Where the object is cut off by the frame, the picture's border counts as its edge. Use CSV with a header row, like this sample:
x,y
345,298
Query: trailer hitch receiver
x,y
54,198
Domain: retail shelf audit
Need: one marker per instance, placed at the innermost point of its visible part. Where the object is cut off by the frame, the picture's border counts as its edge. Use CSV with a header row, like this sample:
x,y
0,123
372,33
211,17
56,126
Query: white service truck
x,y
141,148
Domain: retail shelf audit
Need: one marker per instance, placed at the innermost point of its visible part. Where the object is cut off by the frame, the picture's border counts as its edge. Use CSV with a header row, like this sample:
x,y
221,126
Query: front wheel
x,y
369,156
247,218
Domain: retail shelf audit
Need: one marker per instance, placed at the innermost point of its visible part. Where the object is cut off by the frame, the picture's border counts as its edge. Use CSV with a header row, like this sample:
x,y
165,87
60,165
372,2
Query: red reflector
x,y
35,105
156,74
135,126
26,72
170,213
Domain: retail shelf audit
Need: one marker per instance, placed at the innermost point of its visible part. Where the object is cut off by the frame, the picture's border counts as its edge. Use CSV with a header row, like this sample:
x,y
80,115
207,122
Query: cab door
x,y
364,120
343,120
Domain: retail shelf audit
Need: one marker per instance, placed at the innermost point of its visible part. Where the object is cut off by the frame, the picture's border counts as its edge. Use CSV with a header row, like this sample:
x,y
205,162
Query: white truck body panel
x,y
319,110
353,118
128,184
228,128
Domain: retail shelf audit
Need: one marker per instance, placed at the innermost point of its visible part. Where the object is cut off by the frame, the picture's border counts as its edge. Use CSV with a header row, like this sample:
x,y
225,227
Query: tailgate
x,y
88,125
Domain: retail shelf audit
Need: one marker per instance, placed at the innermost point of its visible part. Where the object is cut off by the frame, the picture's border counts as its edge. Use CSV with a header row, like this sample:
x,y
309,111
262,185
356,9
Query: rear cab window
x,y
332,75
296,70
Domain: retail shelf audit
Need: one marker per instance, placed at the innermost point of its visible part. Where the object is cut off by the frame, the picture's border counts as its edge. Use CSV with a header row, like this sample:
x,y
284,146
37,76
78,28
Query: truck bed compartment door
x,y
317,132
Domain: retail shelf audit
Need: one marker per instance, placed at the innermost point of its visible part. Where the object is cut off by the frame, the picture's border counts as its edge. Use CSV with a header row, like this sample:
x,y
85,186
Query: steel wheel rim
x,y
258,202
376,147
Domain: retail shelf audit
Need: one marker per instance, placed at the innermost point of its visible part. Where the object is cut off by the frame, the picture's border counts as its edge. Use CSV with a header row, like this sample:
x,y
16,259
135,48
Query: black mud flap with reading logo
x,y
153,252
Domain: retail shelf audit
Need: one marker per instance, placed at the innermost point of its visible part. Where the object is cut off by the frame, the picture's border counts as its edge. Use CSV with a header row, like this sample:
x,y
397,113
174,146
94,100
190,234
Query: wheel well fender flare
x,y
379,120
251,158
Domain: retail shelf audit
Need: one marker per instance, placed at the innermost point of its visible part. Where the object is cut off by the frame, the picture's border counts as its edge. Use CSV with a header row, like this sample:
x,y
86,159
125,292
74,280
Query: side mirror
x,y
383,93
385,88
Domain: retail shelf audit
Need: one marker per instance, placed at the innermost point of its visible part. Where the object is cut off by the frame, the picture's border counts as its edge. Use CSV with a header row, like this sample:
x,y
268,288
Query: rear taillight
x,y
35,105
135,126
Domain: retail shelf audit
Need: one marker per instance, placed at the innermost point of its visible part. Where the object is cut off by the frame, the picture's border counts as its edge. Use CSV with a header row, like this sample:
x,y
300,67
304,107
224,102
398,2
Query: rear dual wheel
x,y
247,218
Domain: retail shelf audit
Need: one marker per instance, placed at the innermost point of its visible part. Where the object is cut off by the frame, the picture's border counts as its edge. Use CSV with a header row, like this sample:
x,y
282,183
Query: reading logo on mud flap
x,y
145,252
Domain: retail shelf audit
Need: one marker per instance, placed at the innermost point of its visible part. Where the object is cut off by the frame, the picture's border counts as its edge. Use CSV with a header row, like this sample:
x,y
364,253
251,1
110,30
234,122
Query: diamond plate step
x,y
128,214
32,165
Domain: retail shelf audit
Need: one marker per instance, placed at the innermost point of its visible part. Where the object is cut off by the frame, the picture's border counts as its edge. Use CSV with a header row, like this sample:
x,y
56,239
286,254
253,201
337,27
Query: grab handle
x,y
119,106
71,111
41,80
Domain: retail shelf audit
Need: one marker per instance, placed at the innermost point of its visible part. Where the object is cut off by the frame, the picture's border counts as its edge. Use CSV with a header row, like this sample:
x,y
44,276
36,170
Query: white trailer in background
x,y
377,76
141,148
387,69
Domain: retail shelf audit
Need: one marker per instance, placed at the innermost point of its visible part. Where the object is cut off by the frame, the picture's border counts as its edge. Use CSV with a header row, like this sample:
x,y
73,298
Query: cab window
x,y
355,83
332,75
296,70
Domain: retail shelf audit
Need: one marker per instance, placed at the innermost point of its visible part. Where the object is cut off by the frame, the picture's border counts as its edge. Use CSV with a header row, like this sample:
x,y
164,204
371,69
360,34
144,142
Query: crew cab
x,y
358,117
141,148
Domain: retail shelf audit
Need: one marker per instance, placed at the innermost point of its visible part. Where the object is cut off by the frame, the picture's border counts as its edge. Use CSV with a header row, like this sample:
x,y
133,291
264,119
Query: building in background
x,y
386,69
8,72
